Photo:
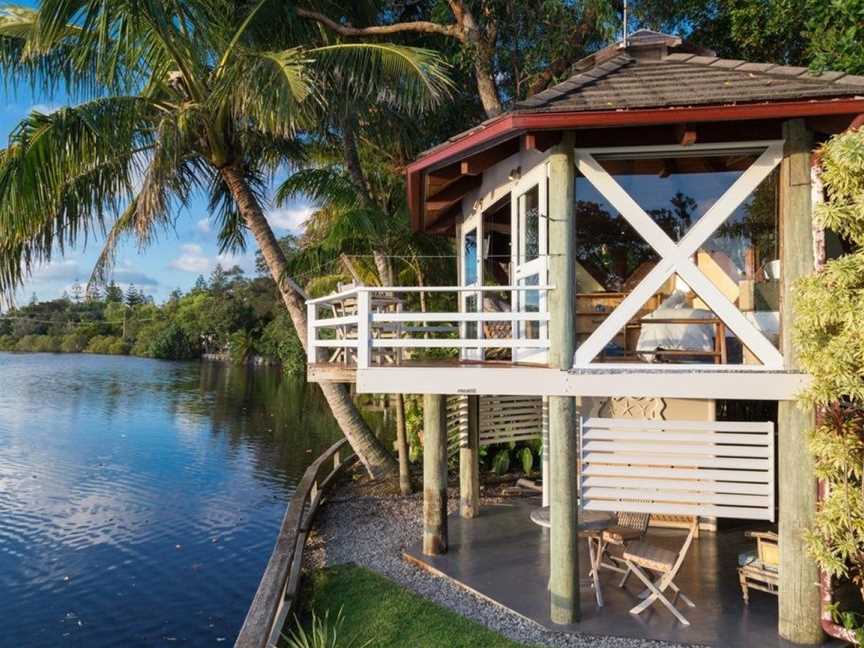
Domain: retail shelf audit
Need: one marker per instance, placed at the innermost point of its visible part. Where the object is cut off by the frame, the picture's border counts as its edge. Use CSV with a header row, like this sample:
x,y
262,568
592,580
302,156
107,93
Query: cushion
x,y
746,557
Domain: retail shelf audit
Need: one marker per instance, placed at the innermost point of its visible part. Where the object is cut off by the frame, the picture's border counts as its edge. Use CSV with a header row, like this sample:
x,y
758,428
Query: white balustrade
x,y
368,326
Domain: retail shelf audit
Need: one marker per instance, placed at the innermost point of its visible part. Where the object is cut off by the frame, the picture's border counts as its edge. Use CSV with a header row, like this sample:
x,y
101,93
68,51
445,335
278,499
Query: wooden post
x,y
563,478
469,463
799,604
434,474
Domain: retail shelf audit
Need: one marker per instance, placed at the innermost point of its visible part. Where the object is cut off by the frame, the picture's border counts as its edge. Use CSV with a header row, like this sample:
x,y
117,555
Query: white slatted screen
x,y
502,418
722,469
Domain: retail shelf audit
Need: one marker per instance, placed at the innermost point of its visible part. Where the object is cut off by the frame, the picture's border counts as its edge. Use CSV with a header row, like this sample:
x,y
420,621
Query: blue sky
x,y
174,261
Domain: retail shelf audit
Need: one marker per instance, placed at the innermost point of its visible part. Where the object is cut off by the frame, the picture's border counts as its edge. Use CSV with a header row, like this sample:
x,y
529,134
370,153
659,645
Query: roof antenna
x,y
626,36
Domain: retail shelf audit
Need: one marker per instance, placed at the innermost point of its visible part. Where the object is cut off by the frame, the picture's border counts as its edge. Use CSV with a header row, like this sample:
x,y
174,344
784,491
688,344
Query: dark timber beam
x,y
452,193
799,599
478,163
434,474
540,140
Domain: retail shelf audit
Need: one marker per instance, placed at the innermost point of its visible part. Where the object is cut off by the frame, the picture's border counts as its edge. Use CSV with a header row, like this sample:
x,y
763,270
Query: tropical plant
x,y
323,633
179,97
829,308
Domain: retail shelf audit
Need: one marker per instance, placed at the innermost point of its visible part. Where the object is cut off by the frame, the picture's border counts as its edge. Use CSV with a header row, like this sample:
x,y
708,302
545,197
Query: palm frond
x,y
409,78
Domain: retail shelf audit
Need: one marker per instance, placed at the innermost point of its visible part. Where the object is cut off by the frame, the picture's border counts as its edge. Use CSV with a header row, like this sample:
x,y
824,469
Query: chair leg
x,y
595,572
745,592
656,595
679,593
625,576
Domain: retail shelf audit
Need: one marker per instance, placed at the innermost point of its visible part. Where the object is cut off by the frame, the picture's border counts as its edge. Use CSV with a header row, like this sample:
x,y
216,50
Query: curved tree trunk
x,y
369,449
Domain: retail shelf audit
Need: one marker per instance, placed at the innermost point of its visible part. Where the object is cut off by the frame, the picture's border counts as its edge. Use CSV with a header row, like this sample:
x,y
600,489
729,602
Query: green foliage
x,y
323,633
501,461
829,338
377,609
172,343
241,346
526,457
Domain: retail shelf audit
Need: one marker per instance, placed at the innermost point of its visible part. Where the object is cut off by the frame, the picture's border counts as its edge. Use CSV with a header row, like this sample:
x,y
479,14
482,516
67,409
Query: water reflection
x,y
139,499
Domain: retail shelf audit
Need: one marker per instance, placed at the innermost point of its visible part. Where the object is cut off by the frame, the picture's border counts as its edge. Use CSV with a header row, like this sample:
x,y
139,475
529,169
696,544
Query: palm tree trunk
x,y
368,447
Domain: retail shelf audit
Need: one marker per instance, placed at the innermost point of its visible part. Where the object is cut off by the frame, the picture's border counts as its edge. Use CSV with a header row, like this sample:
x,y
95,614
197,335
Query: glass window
x,y
470,257
531,219
530,300
740,258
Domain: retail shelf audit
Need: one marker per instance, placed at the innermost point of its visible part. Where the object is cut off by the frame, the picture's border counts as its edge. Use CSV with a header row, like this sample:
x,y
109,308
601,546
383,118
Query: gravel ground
x,y
372,531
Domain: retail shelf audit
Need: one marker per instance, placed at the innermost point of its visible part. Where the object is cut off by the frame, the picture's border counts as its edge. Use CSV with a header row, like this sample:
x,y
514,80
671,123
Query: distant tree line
x,y
226,313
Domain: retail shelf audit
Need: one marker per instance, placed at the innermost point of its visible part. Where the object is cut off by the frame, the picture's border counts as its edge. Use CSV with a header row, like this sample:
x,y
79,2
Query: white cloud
x,y
290,218
246,261
57,271
203,226
191,259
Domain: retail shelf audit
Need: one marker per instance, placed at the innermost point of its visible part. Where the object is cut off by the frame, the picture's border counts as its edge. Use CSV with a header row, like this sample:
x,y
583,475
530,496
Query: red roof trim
x,y
516,123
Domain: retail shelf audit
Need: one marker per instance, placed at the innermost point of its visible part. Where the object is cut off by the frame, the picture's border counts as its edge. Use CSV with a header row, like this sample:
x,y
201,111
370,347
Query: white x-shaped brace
x,y
677,258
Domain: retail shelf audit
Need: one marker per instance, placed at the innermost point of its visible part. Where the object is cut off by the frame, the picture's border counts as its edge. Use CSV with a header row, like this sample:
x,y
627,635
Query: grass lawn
x,y
377,609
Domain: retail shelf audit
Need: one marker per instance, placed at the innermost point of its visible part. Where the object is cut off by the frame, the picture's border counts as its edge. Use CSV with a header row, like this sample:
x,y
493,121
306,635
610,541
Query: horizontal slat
x,y
593,494
485,343
708,426
759,477
744,488
334,321
352,293
335,344
470,316
679,449
669,437
651,459
708,510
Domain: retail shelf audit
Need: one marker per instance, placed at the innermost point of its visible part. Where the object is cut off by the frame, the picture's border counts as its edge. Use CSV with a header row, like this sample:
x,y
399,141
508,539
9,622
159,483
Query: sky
x,y
174,261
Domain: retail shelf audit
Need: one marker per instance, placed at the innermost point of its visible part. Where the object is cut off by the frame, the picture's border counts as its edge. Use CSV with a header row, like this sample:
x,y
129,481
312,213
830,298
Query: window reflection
x,y
739,258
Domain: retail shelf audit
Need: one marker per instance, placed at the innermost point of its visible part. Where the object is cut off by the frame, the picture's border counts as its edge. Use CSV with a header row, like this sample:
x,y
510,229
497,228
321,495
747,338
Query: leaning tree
x,y
178,98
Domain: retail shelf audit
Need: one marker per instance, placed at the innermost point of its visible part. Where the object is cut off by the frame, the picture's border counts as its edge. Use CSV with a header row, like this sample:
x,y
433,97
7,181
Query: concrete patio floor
x,y
504,557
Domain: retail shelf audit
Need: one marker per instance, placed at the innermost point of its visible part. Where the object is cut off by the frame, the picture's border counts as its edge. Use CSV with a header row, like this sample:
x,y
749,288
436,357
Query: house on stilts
x,y
627,241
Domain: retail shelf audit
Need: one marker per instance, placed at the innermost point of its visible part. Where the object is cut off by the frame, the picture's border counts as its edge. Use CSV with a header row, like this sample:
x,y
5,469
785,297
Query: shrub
x,y
172,343
323,634
73,343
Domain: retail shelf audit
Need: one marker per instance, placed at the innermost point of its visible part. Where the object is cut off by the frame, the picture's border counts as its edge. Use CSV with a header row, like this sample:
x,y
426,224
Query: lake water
x,y
140,499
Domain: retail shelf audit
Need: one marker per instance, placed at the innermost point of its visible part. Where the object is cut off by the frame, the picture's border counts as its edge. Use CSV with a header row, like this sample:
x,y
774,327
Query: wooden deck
x,y
503,557
343,373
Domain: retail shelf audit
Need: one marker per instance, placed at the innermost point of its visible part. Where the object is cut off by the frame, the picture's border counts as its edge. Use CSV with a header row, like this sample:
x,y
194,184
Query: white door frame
x,y
538,268
677,257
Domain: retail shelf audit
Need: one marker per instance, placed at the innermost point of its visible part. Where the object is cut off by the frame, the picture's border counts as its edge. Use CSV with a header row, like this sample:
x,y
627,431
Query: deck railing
x,y
368,326
277,591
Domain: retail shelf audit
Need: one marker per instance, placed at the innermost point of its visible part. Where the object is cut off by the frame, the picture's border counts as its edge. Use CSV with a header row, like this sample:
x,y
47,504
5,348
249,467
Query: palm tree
x,y
178,98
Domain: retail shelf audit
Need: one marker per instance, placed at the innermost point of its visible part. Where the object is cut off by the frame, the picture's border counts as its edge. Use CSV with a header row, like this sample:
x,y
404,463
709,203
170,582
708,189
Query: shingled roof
x,y
621,80
652,81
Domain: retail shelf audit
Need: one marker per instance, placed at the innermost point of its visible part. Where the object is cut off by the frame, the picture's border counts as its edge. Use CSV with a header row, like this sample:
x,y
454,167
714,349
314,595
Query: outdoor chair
x,y
628,527
760,570
644,560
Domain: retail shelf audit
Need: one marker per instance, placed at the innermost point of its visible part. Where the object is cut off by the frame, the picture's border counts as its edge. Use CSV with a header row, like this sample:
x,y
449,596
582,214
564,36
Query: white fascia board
x,y
536,381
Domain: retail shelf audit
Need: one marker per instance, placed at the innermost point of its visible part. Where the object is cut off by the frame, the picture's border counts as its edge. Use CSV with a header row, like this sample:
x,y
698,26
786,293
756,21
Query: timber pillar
x,y
563,459
469,463
434,474
799,600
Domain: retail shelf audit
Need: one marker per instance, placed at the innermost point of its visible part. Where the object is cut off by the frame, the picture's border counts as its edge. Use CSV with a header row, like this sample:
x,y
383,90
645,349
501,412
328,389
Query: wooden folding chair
x,y
641,556
628,527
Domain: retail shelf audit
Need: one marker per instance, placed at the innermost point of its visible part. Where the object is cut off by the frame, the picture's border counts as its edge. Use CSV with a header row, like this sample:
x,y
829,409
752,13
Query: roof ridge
x,y
826,77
